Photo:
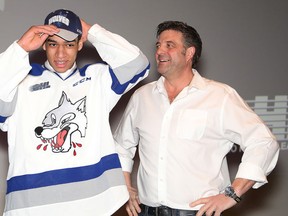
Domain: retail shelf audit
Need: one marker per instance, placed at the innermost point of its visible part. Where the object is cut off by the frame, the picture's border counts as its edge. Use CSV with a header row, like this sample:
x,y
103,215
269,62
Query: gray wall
x,y
245,46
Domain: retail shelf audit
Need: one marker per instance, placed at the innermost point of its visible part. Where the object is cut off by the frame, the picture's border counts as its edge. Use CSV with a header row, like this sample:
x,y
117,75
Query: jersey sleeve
x,y
14,67
128,64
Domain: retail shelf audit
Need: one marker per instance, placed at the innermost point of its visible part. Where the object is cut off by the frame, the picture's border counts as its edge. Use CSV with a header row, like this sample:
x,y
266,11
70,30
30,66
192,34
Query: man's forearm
x,y
241,186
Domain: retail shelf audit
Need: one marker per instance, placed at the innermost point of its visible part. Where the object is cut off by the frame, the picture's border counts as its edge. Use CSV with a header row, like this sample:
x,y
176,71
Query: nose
x,y
160,50
61,52
38,130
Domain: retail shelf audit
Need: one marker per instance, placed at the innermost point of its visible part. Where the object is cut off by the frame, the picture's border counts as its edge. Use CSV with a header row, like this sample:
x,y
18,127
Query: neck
x,y
49,67
175,86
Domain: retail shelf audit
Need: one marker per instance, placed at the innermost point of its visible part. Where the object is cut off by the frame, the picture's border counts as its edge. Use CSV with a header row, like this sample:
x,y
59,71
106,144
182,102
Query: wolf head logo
x,y
61,123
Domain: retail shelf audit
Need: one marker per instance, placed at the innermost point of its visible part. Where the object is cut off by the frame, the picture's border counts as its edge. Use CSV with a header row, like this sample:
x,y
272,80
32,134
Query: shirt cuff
x,y
127,164
252,172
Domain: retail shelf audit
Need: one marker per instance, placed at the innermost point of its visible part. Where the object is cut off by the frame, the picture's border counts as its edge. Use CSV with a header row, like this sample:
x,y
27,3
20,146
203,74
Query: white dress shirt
x,y
183,145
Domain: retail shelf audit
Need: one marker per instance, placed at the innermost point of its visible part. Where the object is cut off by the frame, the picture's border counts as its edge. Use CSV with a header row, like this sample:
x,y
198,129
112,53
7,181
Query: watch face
x,y
229,191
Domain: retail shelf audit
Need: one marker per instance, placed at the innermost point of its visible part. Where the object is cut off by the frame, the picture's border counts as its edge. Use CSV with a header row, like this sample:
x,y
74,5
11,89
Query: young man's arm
x,y
35,36
126,60
14,66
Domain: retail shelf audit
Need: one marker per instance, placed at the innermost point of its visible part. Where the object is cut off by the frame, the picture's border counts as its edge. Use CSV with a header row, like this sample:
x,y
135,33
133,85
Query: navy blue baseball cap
x,y
68,23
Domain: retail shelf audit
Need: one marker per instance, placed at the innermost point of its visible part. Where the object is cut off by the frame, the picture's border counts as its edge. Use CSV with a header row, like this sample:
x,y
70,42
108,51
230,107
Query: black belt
x,y
166,211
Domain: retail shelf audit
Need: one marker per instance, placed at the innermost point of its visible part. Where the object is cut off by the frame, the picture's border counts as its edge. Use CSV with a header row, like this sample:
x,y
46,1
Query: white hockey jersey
x,y
62,158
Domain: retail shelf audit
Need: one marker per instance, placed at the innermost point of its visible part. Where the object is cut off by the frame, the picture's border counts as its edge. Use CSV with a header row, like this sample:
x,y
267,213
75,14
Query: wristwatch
x,y
229,192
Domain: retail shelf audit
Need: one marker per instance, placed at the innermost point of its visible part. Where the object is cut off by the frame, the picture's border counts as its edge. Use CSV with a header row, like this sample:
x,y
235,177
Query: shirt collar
x,y
63,75
197,82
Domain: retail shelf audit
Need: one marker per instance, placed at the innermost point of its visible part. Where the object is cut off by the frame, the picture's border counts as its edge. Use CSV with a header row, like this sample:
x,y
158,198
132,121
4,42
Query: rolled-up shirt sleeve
x,y
244,127
127,138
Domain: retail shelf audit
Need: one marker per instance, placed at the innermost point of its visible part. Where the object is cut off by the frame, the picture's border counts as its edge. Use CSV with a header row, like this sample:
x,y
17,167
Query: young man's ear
x,y
80,45
44,46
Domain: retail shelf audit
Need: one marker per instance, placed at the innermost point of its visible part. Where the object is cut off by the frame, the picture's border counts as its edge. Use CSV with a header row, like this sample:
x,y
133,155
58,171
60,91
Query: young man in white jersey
x,y
62,158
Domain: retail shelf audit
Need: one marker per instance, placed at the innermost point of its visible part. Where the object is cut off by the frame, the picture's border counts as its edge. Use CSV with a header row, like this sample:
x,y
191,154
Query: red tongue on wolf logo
x,y
61,137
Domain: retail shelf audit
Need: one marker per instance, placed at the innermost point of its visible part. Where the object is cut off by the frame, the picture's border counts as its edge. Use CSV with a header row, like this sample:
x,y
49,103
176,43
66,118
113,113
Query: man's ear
x,y
190,52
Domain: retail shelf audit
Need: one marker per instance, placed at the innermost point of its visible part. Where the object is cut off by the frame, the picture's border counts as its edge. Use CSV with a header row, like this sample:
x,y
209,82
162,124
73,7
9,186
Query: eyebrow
x,y
50,40
54,41
166,42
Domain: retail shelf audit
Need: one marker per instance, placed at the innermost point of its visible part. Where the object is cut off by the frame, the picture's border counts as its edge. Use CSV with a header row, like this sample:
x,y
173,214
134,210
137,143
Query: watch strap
x,y
230,192
236,198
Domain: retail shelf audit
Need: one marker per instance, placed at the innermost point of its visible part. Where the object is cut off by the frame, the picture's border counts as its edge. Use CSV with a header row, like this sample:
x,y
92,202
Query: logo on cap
x,y
59,18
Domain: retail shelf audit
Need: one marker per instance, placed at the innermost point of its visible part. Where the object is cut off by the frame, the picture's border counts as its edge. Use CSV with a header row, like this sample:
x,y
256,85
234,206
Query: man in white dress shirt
x,y
184,126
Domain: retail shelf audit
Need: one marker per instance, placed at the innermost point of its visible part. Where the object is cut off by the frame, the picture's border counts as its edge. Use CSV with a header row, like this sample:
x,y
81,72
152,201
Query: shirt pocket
x,y
191,124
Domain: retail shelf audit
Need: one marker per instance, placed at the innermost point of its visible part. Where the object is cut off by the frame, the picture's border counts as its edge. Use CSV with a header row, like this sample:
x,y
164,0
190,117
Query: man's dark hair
x,y
190,35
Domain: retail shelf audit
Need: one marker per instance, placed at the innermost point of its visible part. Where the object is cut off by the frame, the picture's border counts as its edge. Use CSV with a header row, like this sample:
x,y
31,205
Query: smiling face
x,y
61,54
171,55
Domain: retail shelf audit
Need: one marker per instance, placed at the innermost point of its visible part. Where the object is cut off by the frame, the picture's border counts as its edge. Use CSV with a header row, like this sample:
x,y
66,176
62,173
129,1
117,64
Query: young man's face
x,y
61,54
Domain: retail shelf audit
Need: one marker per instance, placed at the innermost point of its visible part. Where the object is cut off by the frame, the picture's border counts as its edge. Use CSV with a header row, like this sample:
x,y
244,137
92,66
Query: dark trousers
x,y
165,211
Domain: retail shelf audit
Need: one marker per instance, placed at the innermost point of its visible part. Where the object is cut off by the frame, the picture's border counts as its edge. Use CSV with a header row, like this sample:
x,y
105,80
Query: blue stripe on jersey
x,y
63,176
37,69
2,119
82,70
120,88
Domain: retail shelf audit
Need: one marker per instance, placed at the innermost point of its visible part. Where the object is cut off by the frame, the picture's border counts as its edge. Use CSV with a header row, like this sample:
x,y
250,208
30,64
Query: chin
x,y
61,70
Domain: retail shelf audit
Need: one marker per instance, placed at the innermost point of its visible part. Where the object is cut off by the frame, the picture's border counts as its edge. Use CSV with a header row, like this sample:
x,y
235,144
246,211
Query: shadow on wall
x,y
3,141
3,168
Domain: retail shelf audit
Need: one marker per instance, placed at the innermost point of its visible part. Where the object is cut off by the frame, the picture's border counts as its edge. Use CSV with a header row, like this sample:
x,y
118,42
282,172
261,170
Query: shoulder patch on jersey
x,y
37,69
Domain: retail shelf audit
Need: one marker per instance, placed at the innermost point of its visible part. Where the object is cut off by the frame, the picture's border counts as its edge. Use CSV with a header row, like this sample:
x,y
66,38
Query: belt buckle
x,y
159,211
152,211
164,210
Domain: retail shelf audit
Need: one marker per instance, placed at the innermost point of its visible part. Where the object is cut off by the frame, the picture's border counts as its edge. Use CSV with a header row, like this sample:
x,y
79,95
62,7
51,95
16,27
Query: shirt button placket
x,y
162,184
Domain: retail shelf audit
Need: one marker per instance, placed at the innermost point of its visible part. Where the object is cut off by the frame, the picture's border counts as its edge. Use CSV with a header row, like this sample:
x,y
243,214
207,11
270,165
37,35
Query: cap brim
x,y
67,35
